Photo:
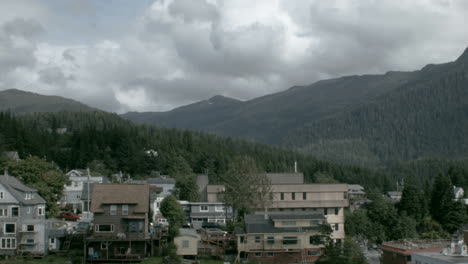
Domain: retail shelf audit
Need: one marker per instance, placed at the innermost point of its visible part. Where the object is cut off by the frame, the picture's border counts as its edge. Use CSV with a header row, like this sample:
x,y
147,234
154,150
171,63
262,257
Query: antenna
x,y
295,166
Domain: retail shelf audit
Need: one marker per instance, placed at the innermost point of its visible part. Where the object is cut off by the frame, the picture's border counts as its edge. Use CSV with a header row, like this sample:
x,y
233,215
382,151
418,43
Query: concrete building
x,y
326,199
187,242
22,219
401,251
280,238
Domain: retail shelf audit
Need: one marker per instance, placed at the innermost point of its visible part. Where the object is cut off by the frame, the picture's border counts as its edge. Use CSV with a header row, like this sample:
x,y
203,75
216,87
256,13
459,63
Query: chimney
x,y
295,166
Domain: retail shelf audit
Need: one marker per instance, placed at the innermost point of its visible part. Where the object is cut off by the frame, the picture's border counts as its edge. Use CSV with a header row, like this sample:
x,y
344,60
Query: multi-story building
x,y
325,199
121,222
22,219
72,192
278,238
200,212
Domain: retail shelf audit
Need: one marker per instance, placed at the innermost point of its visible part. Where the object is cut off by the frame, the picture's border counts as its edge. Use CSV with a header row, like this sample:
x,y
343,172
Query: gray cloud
x,y
181,51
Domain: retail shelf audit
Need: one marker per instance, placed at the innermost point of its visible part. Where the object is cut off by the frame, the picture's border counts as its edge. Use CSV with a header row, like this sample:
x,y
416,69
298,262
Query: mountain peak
x,y
464,56
222,99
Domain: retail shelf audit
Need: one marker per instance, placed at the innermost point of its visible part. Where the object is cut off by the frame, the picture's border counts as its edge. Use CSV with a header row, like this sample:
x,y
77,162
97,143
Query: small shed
x,y
187,242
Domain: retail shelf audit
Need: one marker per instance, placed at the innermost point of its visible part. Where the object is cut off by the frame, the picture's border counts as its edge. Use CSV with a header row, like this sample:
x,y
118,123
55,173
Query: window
x,y
135,226
345,195
3,212
30,228
8,243
289,223
337,227
125,209
219,208
185,244
270,254
29,241
2,195
293,196
325,211
337,211
203,208
313,252
258,254
257,239
270,240
10,228
243,239
104,245
113,209
52,240
315,222
29,210
289,240
40,210
282,196
104,228
14,211
28,196
304,196
76,184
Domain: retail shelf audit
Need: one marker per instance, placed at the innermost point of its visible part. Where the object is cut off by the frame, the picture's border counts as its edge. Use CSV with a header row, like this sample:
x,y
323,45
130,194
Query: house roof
x,y
108,193
18,190
158,180
394,193
355,187
257,224
188,232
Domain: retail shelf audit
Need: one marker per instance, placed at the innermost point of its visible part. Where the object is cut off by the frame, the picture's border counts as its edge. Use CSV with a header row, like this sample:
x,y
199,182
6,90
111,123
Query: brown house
x,y
121,225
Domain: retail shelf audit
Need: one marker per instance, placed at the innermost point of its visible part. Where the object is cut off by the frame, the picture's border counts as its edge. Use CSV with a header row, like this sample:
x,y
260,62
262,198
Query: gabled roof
x,y
18,190
108,193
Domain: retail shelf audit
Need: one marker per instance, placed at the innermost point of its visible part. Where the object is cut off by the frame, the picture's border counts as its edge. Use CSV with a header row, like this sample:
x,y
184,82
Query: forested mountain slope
x,y
110,144
20,102
269,118
425,117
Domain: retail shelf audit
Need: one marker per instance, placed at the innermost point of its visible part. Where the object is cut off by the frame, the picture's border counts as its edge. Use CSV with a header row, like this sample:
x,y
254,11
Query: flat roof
x,y
450,258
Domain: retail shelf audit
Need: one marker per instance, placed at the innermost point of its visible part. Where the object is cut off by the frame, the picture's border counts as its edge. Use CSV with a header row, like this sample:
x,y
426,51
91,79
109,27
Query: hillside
x,y
20,102
368,120
107,143
269,118
425,117
195,116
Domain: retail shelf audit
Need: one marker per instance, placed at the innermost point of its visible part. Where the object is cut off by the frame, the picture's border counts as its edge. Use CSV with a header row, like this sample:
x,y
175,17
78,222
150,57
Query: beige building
x,y
279,238
325,199
187,242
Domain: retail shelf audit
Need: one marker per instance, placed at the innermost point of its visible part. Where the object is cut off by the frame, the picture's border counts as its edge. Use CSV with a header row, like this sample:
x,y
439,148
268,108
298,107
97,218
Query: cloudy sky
x,y
147,55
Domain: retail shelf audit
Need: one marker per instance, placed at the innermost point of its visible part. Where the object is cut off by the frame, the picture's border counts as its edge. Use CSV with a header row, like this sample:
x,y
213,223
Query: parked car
x,y
68,216
215,232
